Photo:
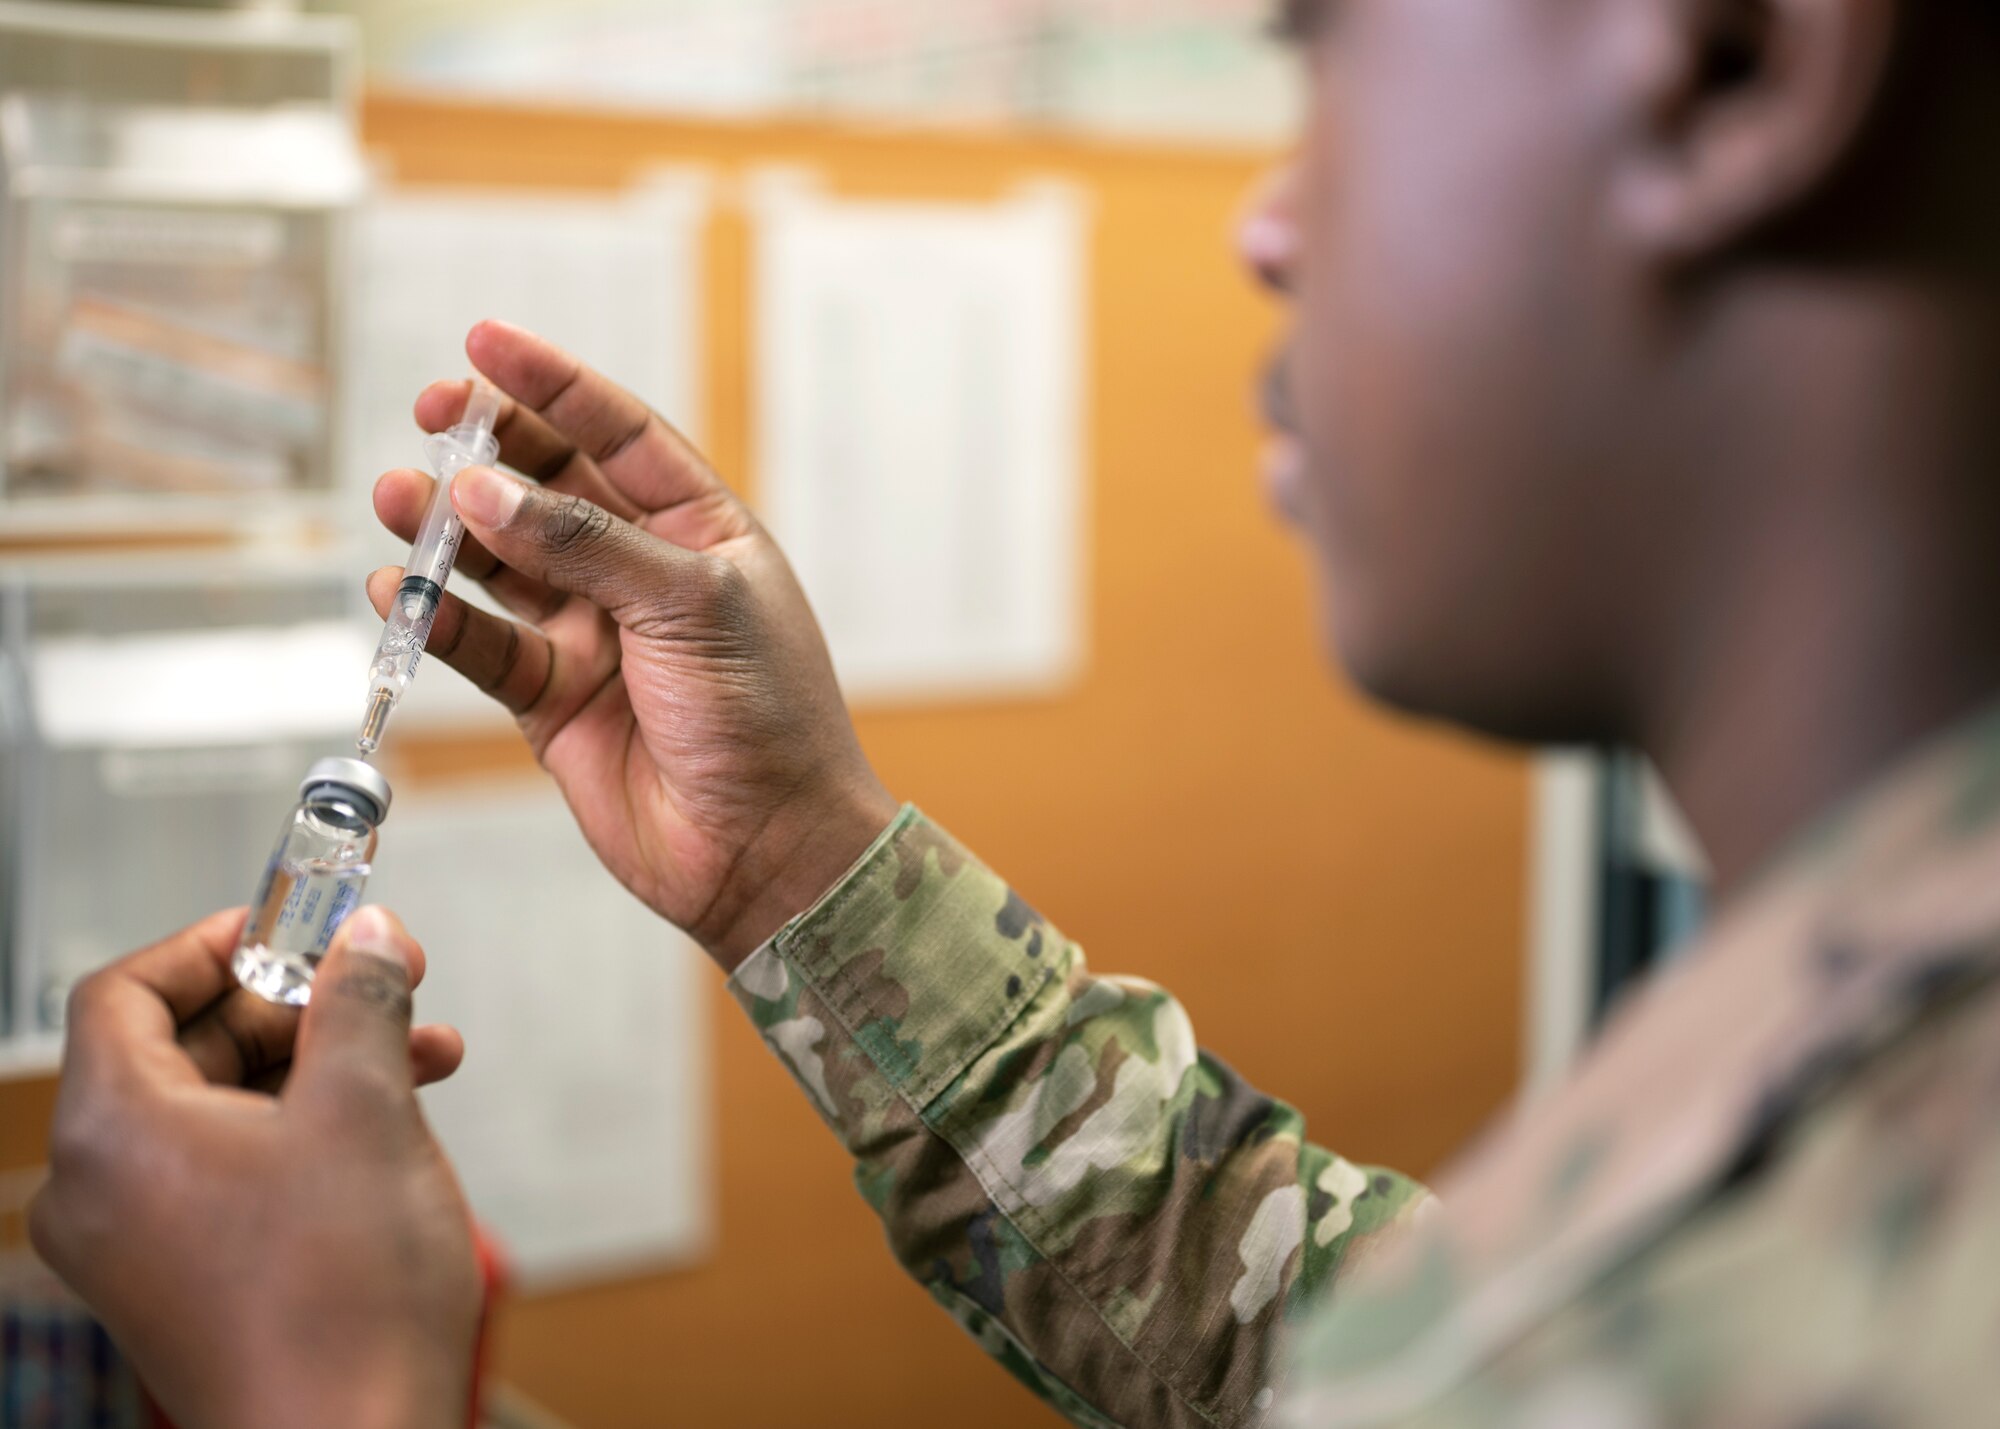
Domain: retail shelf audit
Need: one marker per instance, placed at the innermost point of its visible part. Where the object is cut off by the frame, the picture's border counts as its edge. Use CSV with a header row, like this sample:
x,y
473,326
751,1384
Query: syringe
x,y
470,443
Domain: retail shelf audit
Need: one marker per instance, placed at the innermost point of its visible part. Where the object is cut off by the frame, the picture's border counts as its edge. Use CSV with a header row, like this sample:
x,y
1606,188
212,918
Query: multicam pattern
x,y
1113,1215
1770,1199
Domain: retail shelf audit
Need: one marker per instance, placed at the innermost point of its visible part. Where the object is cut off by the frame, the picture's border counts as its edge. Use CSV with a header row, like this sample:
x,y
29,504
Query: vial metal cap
x,y
353,776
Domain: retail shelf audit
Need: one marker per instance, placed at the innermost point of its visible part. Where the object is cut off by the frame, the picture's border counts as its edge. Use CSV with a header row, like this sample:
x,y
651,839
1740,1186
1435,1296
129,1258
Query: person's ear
x,y
1745,111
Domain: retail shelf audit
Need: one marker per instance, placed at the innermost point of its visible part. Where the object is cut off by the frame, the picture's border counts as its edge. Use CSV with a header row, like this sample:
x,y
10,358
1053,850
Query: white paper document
x,y
920,437
614,280
579,1123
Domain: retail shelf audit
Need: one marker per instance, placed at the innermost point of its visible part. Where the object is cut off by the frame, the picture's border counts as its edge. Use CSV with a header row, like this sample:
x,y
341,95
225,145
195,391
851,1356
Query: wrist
x,y
802,852
398,1393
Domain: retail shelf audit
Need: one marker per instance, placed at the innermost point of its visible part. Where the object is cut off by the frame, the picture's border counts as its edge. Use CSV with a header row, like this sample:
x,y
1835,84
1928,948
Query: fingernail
x,y
487,496
372,934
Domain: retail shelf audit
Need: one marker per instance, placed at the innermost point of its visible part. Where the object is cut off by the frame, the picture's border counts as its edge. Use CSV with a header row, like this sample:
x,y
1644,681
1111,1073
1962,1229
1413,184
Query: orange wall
x,y
1337,897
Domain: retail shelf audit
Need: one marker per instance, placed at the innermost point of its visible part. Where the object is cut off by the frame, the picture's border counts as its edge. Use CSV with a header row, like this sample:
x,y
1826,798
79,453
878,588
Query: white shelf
x,y
30,1057
253,31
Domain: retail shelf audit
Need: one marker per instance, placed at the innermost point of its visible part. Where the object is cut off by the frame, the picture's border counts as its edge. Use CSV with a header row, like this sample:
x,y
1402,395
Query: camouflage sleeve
x,y
1111,1213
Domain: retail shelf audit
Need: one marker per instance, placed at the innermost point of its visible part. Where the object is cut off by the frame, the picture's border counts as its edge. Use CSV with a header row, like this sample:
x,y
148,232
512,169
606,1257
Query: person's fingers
x,y
575,546
648,462
354,1041
240,1037
126,1016
191,969
401,500
511,662
436,1052
528,444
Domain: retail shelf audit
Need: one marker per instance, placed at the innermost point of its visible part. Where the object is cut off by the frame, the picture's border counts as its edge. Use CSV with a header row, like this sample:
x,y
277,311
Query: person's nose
x,y
1267,237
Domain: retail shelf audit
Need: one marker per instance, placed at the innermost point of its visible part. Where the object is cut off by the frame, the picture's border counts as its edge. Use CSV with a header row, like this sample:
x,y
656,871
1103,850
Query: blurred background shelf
x,y
173,187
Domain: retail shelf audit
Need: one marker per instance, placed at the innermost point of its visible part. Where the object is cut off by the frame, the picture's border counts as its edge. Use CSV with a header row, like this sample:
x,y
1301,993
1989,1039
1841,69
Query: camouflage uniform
x,y
1770,1196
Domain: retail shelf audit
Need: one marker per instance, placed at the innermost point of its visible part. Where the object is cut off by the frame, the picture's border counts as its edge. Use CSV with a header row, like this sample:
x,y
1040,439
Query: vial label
x,y
312,883
345,899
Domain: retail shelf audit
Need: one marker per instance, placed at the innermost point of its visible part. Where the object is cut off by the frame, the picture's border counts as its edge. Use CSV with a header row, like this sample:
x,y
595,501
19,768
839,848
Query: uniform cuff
x,y
921,953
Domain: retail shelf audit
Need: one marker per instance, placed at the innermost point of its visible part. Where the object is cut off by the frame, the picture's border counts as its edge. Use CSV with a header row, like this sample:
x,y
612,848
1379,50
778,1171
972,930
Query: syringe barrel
x,y
437,543
470,443
408,628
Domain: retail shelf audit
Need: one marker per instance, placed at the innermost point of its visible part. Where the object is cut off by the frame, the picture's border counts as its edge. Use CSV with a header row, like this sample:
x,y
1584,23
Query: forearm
x,y
1120,1220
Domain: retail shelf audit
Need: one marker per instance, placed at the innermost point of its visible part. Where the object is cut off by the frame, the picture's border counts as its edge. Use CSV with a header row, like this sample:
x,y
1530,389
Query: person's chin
x,y
1431,680
1362,657
1359,631
1379,658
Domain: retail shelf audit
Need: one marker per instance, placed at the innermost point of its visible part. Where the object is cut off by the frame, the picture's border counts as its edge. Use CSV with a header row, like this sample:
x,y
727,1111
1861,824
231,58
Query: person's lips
x,y
1284,463
1276,392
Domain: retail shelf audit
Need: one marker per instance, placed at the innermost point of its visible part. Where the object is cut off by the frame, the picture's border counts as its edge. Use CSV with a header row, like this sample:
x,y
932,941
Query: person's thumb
x,y
575,546
354,1043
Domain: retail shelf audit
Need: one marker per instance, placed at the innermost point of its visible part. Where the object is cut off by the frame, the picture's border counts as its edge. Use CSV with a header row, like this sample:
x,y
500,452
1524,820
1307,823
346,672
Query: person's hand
x,y
304,1259
669,672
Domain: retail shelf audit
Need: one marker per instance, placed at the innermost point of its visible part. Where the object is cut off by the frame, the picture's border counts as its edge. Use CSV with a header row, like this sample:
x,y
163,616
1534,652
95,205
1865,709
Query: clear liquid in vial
x,y
314,880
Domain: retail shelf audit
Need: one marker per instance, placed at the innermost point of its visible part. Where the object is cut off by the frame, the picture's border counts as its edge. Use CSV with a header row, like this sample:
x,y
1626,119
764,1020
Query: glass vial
x,y
314,879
